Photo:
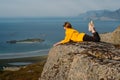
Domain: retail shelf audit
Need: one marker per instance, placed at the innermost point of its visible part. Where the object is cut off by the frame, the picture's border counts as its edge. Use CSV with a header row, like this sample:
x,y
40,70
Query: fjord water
x,y
49,29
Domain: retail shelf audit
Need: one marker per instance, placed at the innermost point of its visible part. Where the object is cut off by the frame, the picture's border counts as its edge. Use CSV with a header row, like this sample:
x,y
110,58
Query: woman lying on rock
x,y
75,36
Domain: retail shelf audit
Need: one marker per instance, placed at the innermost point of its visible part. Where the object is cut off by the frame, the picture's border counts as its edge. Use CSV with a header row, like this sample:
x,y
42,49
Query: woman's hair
x,y
67,25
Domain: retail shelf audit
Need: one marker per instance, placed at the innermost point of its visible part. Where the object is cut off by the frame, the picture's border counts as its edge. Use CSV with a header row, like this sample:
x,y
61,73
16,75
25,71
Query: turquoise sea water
x,y
49,29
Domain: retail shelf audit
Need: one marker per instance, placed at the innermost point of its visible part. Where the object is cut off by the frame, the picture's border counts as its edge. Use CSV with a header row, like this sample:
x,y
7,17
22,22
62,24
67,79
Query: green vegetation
x,y
29,72
26,40
31,40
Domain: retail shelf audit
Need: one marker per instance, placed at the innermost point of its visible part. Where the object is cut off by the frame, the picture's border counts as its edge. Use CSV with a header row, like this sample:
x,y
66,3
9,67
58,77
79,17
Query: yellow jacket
x,y
72,34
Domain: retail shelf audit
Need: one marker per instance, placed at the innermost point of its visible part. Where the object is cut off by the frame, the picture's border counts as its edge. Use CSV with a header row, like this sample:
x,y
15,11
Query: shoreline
x,y
24,54
18,62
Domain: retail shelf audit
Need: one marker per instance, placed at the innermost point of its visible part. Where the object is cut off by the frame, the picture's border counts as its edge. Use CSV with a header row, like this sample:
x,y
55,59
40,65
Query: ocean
x,y
49,29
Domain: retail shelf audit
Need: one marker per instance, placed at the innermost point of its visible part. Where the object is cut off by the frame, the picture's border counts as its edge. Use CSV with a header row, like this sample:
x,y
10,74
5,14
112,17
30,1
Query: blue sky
x,y
53,8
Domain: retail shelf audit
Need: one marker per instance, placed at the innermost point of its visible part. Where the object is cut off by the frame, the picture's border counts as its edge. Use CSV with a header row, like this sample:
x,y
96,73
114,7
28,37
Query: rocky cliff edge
x,y
111,37
83,61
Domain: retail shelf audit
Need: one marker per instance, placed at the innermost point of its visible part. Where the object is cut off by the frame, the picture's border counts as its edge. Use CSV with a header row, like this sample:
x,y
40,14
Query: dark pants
x,y
94,38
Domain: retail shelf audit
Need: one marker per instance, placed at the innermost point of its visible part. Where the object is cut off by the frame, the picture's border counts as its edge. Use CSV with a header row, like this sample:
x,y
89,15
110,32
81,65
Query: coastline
x,y
24,54
30,71
16,63
24,59
34,40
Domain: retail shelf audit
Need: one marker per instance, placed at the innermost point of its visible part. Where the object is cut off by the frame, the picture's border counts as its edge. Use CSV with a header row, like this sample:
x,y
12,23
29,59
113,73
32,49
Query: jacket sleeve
x,y
67,38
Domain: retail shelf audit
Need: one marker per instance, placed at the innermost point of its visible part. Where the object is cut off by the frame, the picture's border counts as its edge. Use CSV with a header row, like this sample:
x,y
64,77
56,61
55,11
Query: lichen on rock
x,y
83,61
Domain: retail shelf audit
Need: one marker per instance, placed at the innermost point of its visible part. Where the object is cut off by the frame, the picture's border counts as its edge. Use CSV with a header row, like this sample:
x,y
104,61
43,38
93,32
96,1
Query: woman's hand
x,y
56,44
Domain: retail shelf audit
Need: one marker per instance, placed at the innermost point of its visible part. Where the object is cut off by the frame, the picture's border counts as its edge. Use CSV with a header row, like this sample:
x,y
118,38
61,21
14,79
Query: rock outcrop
x,y
83,61
111,37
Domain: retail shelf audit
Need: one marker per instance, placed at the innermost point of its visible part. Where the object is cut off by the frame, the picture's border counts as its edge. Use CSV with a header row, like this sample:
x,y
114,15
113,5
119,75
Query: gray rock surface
x,y
83,61
111,37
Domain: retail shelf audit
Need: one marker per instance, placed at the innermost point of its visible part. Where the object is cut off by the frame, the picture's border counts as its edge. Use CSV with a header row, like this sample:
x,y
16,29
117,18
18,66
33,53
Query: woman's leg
x,y
95,37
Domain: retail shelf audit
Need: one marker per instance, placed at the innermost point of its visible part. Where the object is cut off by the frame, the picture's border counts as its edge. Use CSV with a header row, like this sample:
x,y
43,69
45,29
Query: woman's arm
x,y
66,39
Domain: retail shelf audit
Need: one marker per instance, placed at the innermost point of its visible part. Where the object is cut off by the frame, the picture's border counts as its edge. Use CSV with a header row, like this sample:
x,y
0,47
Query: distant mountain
x,y
101,15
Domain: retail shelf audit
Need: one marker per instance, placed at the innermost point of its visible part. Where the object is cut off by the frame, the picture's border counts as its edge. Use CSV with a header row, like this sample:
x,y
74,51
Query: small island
x,y
26,41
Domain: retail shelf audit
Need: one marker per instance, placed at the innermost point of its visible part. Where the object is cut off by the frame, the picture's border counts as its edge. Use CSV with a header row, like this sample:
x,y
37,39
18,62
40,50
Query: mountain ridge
x,y
101,15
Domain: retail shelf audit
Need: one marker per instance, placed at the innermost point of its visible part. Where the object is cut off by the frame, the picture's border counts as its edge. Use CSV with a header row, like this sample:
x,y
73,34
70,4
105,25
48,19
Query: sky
x,y
53,8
